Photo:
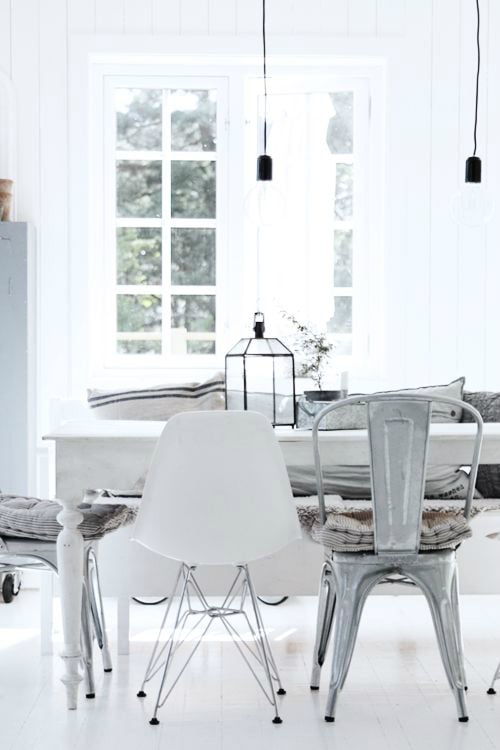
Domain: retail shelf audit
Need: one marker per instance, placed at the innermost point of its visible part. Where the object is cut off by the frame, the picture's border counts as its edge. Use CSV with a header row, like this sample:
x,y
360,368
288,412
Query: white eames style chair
x,y
217,493
398,436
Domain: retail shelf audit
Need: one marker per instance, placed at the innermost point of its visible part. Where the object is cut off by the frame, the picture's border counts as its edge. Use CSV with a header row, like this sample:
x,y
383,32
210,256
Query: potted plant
x,y
314,352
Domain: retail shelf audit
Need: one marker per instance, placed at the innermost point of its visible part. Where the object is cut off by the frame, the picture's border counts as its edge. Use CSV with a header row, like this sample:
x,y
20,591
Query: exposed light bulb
x,y
473,205
264,203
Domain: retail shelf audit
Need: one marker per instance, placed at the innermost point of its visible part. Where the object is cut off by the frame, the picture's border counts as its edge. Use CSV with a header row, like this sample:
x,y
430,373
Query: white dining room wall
x,y
439,297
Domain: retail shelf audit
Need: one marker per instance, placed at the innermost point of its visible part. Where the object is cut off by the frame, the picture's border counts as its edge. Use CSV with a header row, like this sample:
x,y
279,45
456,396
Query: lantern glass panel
x,y
259,371
235,384
283,379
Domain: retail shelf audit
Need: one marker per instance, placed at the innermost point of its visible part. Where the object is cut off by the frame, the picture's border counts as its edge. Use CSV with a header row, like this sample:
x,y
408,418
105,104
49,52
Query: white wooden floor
x,y
396,695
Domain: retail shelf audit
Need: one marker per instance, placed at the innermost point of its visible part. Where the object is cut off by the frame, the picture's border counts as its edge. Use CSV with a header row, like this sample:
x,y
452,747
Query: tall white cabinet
x,y
17,358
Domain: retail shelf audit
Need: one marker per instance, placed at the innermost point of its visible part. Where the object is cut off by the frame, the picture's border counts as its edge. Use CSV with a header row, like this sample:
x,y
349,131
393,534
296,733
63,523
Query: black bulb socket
x,y
264,168
258,325
473,169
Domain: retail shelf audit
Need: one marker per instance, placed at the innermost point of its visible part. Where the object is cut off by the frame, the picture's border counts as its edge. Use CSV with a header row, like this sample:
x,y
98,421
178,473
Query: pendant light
x,y
264,203
473,205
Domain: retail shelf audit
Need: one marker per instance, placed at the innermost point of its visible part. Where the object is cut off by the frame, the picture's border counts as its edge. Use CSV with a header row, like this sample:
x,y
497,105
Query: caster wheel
x,y
281,691
154,722
464,719
141,694
277,720
314,687
329,719
491,691
8,588
90,695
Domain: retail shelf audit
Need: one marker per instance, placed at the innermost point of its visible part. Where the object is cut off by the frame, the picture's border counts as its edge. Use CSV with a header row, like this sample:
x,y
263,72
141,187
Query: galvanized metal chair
x,y
398,435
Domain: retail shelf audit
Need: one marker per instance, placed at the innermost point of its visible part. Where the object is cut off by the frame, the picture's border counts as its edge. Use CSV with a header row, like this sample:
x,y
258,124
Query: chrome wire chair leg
x,y
437,582
352,584
91,569
326,608
491,690
267,657
86,639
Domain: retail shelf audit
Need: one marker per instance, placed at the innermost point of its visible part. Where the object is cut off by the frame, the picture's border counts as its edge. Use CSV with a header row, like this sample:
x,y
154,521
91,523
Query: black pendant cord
x,y
264,65
477,74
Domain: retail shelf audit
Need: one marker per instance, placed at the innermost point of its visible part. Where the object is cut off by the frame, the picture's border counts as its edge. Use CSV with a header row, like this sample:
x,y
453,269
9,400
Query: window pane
x,y
342,269
193,189
193,312
343,191
138,256
339,135
193,120
138,312
138,119
193,256
341,321
138,189
200,347
138,347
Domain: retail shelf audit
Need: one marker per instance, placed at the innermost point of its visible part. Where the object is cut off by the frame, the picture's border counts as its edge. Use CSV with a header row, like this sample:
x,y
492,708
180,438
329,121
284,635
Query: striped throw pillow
x,y
159,402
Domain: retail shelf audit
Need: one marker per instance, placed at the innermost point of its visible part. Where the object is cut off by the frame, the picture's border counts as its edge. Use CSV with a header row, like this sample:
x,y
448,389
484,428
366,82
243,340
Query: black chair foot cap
x,y
141,694
109,670
466,687
90,695
329,719
277,720
491,691
464,719
281,691
314,687
154,721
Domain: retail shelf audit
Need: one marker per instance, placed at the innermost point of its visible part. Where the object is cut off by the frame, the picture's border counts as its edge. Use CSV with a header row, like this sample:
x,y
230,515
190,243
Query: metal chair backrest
x,y
398,435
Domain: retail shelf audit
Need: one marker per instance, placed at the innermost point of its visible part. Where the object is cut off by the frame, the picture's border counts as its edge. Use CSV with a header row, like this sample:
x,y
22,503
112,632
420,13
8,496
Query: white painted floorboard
x,y
396,696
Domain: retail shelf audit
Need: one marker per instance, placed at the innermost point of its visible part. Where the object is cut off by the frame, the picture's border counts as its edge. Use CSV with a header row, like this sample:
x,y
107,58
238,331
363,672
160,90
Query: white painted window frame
x,y
236,267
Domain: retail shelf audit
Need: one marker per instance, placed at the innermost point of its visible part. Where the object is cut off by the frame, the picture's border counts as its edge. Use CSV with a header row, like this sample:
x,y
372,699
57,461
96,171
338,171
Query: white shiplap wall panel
x,y
53,244
166,16
362,17
445,171
308,17
5,31
222,16
408,144
25,76
491,161
248,16
471,320
334,17
81,15
110,17
138,16
194,17
391,16
280,16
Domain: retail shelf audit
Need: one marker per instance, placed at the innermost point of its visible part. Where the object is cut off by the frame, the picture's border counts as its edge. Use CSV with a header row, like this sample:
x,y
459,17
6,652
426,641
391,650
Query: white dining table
x,y
116,454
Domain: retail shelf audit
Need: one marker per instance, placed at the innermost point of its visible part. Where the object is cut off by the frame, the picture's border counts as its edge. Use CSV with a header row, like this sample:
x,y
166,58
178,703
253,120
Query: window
x,y
319,131
178,281
162,216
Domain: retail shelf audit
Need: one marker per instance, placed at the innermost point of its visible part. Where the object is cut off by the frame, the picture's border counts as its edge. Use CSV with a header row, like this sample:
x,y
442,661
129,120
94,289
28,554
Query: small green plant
x,y
314,351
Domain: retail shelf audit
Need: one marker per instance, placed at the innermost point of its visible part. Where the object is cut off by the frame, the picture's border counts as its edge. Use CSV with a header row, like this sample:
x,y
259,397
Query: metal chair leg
x,y
97,608
86,638
491,690
326,608
437,582
353,584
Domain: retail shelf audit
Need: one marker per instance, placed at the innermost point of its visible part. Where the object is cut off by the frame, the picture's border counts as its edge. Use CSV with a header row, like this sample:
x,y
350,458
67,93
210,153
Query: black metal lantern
x,y
260,376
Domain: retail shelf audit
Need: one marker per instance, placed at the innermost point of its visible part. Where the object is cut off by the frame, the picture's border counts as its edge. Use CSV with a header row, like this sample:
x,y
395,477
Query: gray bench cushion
x,y
32,518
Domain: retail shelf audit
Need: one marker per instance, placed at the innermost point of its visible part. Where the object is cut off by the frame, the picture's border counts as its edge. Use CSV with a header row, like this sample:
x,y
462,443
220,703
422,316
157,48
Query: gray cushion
x,y
488,405
159,402
352,531
32,518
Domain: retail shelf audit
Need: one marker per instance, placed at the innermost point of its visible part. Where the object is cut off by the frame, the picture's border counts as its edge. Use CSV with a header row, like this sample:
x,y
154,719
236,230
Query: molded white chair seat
x,y
217,493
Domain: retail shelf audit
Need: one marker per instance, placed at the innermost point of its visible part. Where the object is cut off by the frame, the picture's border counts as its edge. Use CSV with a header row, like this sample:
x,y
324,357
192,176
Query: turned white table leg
x,y
70,566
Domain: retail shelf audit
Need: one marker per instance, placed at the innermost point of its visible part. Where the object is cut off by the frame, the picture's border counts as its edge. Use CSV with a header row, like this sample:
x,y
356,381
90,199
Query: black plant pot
x,y
323,395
